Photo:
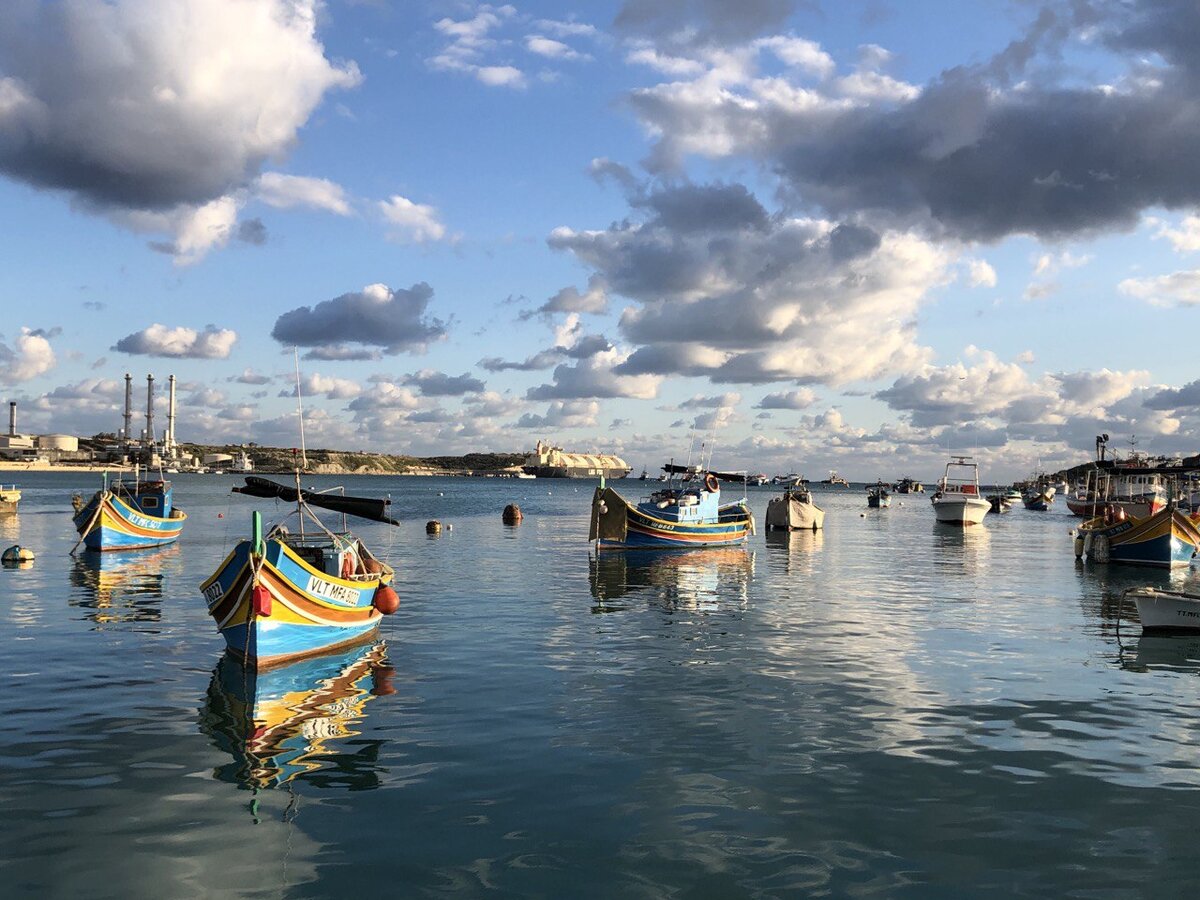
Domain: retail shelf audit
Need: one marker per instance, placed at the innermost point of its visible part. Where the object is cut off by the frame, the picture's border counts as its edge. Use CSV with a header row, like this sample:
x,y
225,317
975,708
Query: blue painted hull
x,y
311,611
120,526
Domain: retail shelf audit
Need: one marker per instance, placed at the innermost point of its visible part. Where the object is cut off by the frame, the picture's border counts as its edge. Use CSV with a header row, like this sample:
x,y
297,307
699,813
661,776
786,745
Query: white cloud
x,y
158,113
30,356
471,42
1176,289
179,343
287,191
981,273
1185,238
799,53
552,49
414,222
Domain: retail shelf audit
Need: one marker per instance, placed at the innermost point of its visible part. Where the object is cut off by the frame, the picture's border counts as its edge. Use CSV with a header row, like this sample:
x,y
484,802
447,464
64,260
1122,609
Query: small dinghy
x,y
1166,611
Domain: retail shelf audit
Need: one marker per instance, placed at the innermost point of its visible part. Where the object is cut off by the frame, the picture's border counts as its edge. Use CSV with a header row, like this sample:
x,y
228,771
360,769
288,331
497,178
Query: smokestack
x,y
128,407
170,413
150,409
12,418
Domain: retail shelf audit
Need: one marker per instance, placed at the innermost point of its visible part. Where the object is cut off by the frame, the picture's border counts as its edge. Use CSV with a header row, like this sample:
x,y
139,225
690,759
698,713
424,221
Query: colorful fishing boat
x,y
957,500
1167,539
283,596
129,515
794,510
1038,496
283,723
690,515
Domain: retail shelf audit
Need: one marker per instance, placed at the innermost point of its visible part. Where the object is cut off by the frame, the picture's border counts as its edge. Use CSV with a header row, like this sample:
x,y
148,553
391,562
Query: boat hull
x,y
619,525
960,511
1167,539
793,515
1167,610
109,523
310,611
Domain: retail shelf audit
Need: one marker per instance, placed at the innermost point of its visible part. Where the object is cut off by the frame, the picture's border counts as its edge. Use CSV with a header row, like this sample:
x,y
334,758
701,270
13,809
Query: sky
x,y
806,235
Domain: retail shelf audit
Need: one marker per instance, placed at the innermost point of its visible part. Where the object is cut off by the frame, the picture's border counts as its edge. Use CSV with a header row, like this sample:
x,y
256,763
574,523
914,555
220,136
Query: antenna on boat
x,y
300,411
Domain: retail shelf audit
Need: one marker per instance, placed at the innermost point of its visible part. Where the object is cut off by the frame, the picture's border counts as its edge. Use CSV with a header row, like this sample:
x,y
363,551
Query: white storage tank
x,y
67,442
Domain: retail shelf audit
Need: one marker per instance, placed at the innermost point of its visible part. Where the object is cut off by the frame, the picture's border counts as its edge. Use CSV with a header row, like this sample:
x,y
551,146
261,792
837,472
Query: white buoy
x,y
449,527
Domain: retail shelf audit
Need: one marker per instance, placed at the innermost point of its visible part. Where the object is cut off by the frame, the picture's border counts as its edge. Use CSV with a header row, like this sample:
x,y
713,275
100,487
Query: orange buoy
x,y
512,515
386,600
260,599
220,515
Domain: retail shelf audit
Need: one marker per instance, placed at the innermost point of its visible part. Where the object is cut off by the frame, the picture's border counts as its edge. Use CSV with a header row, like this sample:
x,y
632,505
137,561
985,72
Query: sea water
x,y
885,707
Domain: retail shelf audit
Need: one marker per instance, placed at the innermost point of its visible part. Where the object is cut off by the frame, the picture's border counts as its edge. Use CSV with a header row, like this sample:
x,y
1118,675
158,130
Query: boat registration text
x,y
335,592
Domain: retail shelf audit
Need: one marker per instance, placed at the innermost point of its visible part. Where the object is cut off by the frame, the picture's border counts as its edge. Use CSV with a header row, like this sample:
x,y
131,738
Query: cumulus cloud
x,y
563,414
1014,144
801,399
570,300
1185,238
408,221
543,359
432,383
469,44
541,45
179,342
980,273
250,376
1175,289
330,388
377,317
288,191
29,356
596,377
993,394
158,113
725,289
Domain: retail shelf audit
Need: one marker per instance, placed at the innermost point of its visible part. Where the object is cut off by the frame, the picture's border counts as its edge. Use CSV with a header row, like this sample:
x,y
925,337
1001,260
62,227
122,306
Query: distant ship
x,y
835,479
547,461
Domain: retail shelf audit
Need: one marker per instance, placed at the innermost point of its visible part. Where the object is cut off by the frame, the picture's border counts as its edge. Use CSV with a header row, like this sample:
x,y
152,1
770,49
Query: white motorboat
x,y
1166,610
957,500
794,510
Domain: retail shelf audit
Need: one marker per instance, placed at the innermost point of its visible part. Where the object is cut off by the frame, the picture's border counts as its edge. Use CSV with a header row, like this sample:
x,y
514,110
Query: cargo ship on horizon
x,y
548,461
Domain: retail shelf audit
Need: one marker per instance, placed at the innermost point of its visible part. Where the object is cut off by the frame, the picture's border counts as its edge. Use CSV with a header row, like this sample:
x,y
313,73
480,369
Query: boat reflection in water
x,y
958,550
691,579
121,587
285,723
1159,653
794,552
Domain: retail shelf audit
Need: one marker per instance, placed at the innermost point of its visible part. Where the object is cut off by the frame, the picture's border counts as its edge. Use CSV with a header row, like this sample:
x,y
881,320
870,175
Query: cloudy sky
x,y
815,235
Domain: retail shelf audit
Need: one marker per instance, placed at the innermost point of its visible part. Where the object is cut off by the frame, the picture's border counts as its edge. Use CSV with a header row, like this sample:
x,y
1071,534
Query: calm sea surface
x,y
883,708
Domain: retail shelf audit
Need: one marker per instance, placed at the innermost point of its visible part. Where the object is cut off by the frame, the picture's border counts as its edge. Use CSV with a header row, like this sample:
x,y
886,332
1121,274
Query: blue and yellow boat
x,y
286,596
1166,539
688,516
129,515
284,723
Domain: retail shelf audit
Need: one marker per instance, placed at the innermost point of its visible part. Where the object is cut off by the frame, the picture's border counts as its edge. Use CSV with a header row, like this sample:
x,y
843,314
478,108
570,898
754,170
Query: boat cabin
x,y
151,498
961,477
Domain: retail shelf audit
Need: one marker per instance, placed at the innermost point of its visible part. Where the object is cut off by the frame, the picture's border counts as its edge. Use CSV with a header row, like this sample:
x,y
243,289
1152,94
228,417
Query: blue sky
x,y
817,235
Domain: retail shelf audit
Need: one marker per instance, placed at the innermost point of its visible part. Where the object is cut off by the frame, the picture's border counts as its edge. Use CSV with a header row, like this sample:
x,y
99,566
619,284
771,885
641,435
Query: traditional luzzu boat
x,y
282,596
1166,539
794,510
129,515
690,515
957,500
1038,495
282,723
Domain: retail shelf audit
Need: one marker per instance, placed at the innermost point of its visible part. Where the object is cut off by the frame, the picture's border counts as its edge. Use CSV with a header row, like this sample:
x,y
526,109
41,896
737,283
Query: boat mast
x,y
303,452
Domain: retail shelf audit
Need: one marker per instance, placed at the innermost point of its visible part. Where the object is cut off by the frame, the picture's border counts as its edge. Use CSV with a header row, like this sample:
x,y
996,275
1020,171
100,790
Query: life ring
x,y
710,483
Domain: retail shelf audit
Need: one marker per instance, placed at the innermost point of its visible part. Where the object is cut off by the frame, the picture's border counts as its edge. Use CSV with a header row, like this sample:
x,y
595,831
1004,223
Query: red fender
x,y
260,600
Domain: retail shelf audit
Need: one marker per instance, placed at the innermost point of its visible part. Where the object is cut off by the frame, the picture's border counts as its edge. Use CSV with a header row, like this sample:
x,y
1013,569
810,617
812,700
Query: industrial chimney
x,y
128,436
170,414
12,418
150,410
